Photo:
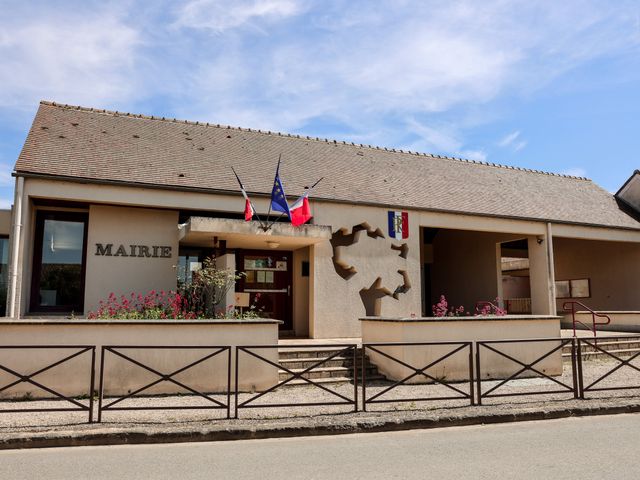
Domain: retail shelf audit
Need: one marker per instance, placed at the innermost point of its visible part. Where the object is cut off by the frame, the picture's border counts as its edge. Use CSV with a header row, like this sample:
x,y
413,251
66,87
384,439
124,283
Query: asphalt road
x,y
584,448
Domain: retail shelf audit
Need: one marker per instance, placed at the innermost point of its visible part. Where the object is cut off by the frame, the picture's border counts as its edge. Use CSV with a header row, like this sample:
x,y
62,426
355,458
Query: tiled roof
x,y
100,145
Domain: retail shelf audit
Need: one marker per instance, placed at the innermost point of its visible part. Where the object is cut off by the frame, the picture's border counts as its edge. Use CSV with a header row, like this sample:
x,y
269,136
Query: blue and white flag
x,y
278,197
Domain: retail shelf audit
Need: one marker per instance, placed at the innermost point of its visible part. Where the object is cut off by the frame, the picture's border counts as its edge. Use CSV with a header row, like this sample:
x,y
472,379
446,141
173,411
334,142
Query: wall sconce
x,y
539,239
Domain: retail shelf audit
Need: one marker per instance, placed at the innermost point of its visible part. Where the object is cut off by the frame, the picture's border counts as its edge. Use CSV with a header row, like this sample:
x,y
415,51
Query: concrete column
x,y
312,290
228,260
552,268
542,299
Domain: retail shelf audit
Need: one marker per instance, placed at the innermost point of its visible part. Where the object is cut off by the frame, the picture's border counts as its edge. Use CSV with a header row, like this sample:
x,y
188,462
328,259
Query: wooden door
x,y
268,280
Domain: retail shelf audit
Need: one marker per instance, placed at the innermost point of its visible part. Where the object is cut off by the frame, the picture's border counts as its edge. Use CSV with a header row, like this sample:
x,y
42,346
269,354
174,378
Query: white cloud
x,y
509,139
512,141
221,15
444,139
396,62
73,58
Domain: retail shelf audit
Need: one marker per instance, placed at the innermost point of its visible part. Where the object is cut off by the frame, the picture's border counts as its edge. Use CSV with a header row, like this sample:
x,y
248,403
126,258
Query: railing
x,y
493,346
213,403
572,308
343,350
621,362
29,378
417,372
583,377
518,305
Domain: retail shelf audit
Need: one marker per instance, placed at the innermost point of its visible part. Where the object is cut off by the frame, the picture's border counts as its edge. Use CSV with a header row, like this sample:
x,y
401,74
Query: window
x,y
579,288
59,262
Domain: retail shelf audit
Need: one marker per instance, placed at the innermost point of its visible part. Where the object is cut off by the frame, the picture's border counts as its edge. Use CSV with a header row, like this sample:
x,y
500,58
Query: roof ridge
x,y
305,137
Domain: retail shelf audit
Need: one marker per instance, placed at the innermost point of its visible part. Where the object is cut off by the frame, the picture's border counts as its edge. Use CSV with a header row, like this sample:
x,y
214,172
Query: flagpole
x,y
269,211
308,189
250,202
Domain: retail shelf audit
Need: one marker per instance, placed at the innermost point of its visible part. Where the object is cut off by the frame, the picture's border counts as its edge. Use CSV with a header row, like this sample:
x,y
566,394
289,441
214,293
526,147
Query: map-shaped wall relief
x,y
343,241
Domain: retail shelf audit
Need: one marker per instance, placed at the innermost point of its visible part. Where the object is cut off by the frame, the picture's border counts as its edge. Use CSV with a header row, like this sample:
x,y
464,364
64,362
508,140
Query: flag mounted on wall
x,y
398,224
300,212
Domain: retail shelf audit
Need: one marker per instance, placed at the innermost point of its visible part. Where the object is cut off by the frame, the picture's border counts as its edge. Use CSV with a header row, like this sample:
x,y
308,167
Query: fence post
x,y
229,382
471,382
364,380
479,373
236,385
574,366
580,373
355,377
101,393
92,382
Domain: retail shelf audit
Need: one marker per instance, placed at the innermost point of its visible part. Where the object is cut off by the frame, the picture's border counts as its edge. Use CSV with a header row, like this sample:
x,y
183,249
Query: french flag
x,y
248,207
300,211
398,224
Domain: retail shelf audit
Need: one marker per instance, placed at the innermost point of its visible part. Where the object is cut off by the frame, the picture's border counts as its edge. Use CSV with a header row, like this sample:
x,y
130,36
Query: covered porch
x,y
277,265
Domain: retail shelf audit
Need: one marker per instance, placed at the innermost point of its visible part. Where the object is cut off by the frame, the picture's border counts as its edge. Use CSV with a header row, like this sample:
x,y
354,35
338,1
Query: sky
x,y
548,85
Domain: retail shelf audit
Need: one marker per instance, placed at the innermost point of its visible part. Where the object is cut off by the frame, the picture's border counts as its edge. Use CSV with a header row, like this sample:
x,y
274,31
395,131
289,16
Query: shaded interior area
x,y
469,267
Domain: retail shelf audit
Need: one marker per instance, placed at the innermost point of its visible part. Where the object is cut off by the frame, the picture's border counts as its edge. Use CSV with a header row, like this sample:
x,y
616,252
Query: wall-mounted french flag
x,y
398,224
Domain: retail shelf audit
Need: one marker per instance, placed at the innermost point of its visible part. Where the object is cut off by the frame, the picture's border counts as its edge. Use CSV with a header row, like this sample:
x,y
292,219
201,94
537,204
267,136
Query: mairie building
x,y
111,202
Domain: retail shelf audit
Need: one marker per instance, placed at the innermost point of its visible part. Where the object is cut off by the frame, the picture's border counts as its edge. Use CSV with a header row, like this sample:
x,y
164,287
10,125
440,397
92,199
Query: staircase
x,y
622,346
335,371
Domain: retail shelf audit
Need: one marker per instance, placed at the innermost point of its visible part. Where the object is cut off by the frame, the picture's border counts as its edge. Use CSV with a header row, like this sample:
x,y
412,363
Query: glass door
x,y
59,262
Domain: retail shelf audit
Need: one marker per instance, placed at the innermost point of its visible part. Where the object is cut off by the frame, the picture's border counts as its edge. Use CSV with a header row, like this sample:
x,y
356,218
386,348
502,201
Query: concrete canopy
x,y
200,231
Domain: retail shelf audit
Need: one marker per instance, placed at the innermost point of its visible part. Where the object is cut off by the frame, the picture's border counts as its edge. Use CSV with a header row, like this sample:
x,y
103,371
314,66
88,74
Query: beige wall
x,y
612,267
121,376
456,367
338,304
123,275
300,294
334,303
620,321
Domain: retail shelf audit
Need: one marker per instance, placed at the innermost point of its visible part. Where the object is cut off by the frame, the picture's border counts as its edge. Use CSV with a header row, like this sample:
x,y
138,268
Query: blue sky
x,y
547,85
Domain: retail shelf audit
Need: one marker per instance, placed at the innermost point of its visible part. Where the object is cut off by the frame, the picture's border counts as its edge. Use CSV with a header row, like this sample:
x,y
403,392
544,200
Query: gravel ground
x,y
22,423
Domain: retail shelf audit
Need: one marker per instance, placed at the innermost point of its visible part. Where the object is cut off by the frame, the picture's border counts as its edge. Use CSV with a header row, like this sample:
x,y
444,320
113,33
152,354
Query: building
x,y
116,202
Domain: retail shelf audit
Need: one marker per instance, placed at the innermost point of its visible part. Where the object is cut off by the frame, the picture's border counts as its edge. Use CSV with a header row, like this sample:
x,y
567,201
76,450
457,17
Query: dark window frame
x,y
59,215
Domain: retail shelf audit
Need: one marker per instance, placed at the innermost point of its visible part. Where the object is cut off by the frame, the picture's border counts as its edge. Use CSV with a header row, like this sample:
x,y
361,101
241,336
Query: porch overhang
x,y
202,231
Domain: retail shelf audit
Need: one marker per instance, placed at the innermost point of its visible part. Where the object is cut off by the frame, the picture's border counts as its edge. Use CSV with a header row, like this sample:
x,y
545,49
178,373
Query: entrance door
x,y
59,262
268,281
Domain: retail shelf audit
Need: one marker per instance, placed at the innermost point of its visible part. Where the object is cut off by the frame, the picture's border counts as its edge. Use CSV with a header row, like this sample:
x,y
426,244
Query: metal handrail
x,y
594,314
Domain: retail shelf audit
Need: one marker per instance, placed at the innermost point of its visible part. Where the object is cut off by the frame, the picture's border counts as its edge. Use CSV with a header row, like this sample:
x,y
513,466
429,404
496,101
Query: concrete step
x,y
327,372
338,369
627,345
292,352
332,380
626,352
309,361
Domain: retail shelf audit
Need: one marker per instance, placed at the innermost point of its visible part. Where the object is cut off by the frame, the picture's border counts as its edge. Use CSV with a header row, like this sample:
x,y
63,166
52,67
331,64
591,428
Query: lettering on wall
x,y
140,251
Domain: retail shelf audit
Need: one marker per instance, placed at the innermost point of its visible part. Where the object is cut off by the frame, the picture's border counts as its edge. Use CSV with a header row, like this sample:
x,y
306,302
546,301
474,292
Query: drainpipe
x,y
16,232
552,271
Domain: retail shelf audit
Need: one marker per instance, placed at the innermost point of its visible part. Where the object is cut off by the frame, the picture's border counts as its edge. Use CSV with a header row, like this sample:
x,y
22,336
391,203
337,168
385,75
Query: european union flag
x,y
278,198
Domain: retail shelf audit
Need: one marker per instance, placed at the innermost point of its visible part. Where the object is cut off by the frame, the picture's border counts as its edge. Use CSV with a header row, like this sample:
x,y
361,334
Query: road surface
x,y
586,448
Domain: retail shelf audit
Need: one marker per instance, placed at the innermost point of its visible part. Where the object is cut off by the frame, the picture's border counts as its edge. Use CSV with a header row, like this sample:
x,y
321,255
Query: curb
x,y
50,440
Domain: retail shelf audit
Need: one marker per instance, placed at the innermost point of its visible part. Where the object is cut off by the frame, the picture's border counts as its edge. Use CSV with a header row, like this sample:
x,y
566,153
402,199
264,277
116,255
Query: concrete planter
x,y
121,376
451,329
